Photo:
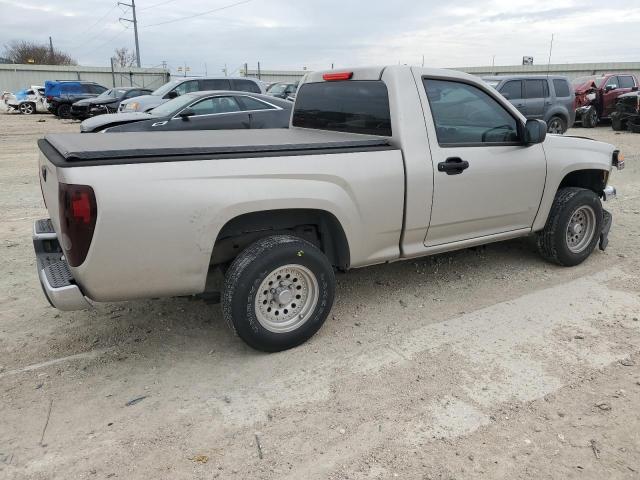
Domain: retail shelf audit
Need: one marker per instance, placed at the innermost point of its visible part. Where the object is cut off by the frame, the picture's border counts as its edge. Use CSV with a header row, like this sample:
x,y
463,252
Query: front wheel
x,y
590,118
278,292
573,227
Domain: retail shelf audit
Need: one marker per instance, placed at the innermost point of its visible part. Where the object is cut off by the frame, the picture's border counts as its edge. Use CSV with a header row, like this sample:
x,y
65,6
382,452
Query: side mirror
x,y
186,113
172,94
535,131
608,88
634,89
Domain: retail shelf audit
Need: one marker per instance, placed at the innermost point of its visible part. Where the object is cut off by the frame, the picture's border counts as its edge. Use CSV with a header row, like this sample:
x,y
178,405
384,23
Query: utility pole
x,y
51,50
132,6
113,73
259,73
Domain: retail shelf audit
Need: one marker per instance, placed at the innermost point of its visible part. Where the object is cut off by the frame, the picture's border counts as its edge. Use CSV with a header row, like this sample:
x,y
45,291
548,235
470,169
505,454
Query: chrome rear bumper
x,y
55,276
609,193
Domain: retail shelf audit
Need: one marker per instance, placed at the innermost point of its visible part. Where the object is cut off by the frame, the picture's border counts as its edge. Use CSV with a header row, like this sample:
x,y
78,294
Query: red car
x,y
596,95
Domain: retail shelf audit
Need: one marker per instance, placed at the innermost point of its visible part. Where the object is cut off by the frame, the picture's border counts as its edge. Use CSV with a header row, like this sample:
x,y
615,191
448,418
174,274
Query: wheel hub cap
x,y
581,229
286,298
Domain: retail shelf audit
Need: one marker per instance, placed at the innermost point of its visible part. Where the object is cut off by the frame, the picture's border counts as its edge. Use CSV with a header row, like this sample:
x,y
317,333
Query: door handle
x,y
453,166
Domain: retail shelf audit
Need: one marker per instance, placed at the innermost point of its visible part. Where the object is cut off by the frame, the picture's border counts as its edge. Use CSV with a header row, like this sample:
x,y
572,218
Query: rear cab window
x,y
353,106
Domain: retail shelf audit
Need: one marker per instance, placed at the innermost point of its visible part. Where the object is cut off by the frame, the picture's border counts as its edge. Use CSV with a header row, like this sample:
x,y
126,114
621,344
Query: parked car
x,y
199,111
283,90
596,95
627,114
175,88
61,94
549,98
28,101
106,102
366,174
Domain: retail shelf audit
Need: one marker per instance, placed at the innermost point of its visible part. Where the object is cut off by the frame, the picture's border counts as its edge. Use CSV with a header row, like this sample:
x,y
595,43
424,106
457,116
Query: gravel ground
x,y
484,363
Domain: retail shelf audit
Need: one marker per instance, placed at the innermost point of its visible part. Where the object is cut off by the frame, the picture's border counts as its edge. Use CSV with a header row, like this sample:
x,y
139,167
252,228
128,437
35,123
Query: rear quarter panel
x,y
157,222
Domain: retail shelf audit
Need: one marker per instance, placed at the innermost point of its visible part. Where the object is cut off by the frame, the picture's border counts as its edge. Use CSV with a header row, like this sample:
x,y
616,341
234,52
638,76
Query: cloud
x,y
290,35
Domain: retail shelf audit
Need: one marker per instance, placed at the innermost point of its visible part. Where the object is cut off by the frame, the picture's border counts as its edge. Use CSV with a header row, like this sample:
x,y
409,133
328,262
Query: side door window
x,y
561,88
512,91
535,91
215,105
252,104
465,115
626,81
215,84
187,87
612,83
246,86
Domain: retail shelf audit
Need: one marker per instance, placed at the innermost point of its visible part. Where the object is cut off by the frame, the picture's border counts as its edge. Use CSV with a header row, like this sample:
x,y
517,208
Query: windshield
x,y
492,83
168,108
112,93
166,88
592,78
278,88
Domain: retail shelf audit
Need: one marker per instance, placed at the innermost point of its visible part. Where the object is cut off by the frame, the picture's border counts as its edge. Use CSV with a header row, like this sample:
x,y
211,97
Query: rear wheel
x,y
64,111
278,292
590,118
27,108
556,125
573,227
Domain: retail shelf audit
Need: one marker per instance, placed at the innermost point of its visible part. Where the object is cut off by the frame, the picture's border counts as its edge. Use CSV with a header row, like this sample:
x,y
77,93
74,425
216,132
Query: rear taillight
x,y
78,214
49,98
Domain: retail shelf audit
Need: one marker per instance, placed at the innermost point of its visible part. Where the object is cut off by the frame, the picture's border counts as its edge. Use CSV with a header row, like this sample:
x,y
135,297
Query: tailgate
x,y
48,174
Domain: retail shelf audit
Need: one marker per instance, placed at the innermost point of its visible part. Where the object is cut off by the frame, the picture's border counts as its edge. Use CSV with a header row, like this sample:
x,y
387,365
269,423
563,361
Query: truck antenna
x,y
550,50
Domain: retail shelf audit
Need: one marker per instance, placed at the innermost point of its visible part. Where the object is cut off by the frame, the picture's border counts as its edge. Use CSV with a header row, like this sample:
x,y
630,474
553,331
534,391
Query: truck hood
x,y
145,102
95,101
585,87
584,148
112,119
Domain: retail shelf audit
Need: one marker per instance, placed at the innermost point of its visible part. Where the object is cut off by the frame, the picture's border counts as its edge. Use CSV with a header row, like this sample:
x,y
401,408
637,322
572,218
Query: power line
x,y
109,40
84,32
198,14
156,5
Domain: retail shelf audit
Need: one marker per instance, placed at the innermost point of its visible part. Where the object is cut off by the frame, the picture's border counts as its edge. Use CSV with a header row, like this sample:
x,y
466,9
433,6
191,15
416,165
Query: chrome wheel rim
x,y
286,298
581,228
555,126
26,108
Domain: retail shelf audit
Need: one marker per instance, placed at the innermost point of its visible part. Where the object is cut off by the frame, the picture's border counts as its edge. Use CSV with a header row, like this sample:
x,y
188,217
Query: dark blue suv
x,y
61,94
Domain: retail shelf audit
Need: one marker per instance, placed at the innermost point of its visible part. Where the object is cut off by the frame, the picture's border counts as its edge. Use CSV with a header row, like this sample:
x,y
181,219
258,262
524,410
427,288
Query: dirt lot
x,y
485,363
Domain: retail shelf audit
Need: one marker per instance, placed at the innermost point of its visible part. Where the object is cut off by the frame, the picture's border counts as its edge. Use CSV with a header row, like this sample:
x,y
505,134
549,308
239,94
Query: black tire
x,y
64,110
552,241
616,122
633,124
590,118
557,124
251,268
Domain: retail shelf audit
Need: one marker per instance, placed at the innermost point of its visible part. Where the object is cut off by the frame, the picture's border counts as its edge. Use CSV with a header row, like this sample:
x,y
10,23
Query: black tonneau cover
x,y
77,149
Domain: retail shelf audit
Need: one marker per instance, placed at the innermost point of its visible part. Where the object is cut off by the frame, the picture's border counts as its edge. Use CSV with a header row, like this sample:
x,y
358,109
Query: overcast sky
x,y
293,34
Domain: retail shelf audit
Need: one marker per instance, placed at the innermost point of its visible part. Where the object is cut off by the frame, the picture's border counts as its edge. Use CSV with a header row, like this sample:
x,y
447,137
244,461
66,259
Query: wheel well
x,y
595,180
316,226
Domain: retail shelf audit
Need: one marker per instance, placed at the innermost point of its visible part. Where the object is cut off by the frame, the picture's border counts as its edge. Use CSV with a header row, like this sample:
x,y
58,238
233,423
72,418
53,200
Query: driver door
x,y
486,181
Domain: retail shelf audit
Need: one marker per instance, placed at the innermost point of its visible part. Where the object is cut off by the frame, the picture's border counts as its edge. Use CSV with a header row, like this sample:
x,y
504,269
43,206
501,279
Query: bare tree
x,y
124,58
22,51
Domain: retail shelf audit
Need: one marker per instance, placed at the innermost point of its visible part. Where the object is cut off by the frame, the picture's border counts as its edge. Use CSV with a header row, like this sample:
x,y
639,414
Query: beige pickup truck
x,y
379,165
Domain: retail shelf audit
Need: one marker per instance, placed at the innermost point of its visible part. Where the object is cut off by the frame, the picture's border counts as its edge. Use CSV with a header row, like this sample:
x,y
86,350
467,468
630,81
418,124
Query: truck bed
x,y
74,150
